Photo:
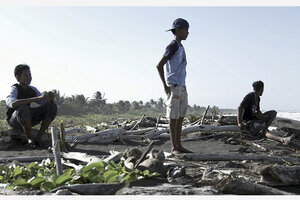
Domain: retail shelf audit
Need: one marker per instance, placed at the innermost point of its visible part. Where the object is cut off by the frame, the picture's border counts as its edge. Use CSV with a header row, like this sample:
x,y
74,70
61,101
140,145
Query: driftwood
x,y
155,133
230,157
201,122
259,146
142,118
279,175
56,151
90,129
74,130
144,154
93,189
227,120
203,137
196,128
83,157
115,156
102,136
26,159
209,128
140,131
70,164
238,186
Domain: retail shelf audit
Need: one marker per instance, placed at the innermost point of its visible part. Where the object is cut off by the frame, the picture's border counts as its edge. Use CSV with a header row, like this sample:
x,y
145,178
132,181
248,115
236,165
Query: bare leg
x,y
44,126
27,129
274,137
284,140
178,136
172,125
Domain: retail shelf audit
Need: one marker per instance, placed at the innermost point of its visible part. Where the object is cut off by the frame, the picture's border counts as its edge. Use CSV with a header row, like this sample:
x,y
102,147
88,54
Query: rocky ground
x,y
215,167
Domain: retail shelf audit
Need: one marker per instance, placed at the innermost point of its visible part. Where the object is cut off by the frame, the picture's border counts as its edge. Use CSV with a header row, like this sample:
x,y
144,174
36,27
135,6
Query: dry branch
x,y
201,122
142,118
144,154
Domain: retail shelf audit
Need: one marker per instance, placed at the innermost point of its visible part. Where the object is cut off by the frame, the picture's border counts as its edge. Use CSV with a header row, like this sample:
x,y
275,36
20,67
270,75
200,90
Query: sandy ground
x,y
215,144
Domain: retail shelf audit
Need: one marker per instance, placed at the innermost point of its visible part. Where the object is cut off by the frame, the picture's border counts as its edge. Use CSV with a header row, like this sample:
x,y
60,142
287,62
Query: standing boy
x,y
175,60
251,118
19,113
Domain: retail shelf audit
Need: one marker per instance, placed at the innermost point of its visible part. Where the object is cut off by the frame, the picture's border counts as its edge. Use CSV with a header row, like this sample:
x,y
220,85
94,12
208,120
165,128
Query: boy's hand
x,y
242,126
45,96
51,96
167,90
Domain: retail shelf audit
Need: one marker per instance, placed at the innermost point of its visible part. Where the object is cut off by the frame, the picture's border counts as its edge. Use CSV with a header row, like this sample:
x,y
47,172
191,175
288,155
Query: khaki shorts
x,y
177,102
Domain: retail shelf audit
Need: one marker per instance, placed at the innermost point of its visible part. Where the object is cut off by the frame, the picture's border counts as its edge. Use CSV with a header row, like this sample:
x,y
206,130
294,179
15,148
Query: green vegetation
x,y
42,176
80,110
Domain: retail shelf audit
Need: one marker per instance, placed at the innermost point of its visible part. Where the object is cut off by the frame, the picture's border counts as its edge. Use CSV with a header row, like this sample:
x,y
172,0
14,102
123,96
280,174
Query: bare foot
x,y
176,152
287,140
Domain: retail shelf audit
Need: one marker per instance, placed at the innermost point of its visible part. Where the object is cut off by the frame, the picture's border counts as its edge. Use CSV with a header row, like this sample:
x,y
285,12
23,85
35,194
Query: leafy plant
x,y
43,175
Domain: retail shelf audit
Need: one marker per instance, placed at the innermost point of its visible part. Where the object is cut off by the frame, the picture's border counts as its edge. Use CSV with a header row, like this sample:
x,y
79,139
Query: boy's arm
x,y
160,69
240,113
49,96
19,102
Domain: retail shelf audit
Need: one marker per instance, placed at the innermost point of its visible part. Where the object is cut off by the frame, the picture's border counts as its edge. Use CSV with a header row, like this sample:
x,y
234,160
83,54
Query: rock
x,y
279,175
129,164
6,139
92,188
39,192
230,185
63,192
153,165
157,154
168,189
176,172
133,152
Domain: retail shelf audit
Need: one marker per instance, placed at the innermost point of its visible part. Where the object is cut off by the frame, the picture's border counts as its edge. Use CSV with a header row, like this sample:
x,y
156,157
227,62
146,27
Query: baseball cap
x,y
179,23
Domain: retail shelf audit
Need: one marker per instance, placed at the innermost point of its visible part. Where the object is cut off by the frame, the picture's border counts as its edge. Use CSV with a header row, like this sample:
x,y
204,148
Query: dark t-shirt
x,y
251,105
171,49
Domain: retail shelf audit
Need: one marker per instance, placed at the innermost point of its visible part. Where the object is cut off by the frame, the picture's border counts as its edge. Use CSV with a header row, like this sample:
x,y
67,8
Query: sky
x,y
115,50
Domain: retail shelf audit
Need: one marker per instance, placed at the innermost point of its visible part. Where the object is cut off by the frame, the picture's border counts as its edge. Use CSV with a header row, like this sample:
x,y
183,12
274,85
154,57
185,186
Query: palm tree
x,y
160,104
58,98
99,102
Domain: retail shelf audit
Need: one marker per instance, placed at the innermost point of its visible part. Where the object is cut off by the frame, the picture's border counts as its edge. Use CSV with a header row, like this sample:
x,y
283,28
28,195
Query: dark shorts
x,y
38,114
258,127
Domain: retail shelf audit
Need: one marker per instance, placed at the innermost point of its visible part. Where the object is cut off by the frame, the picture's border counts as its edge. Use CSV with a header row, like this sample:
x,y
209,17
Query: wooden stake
x,y
201,122
157,121
56,151
137,123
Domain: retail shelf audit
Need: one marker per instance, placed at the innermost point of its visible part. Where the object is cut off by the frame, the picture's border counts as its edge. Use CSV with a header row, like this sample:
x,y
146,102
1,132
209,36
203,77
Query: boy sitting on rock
x,y
19,113
250,117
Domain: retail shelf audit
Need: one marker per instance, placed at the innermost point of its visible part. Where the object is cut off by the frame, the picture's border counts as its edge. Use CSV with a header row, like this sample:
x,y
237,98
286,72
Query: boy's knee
x,y
273,113
24,112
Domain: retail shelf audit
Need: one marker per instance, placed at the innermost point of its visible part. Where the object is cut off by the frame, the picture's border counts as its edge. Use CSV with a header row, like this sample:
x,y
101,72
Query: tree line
x,y
79,105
